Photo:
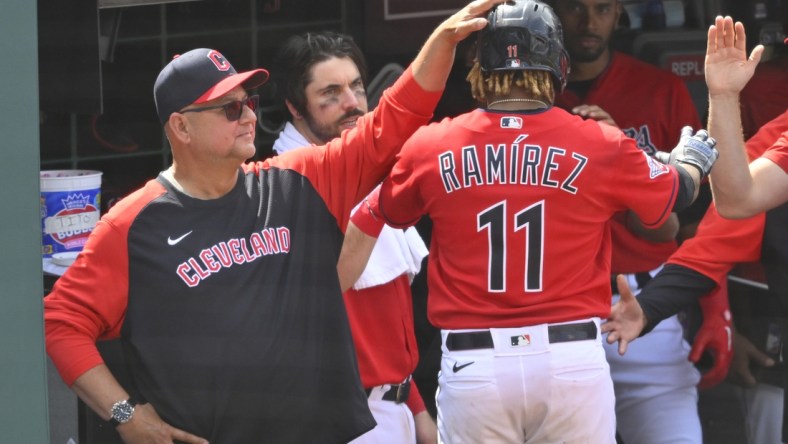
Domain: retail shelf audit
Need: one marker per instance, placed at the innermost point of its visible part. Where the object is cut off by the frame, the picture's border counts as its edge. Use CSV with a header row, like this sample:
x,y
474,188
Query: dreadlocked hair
x,y
499,83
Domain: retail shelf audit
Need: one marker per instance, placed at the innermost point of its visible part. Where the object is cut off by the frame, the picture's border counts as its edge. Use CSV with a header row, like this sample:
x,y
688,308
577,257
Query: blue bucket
x,y
70,209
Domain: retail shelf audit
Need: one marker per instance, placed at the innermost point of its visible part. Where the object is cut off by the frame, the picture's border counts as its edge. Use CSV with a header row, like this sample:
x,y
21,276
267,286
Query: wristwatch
x,y
122,411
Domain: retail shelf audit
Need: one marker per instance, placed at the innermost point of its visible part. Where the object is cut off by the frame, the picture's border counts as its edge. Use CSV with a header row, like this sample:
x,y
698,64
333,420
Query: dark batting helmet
x,y
524,35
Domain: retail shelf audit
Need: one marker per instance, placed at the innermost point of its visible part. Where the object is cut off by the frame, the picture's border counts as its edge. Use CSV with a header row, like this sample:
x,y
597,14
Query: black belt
x,y
397,393
580,331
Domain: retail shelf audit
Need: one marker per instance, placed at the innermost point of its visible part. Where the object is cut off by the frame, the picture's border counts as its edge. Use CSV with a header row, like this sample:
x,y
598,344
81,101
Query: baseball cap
x,y
199,76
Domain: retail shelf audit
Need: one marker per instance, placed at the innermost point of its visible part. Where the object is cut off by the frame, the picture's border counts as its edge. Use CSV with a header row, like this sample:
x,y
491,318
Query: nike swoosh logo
x,y
171,241
457,368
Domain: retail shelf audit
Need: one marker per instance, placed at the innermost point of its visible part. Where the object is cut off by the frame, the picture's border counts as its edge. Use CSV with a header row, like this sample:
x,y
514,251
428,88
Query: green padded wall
x,y
23,379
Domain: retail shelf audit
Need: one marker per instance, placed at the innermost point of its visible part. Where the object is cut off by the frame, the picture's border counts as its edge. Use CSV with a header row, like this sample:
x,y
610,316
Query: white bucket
x,y
70,207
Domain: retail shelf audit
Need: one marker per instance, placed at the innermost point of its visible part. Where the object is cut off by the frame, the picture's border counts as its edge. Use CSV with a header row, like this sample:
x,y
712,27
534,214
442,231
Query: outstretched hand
x,y
626,319
727,67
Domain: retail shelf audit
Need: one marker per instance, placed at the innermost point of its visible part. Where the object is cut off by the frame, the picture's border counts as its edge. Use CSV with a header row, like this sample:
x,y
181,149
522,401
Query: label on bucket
x,y
68,216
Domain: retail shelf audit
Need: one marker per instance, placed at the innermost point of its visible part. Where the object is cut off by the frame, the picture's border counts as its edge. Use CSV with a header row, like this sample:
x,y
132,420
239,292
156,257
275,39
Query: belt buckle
x,y
402,392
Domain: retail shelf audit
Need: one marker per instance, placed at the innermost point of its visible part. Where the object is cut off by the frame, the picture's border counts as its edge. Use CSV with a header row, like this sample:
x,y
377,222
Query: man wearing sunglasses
x,y
323,77
220,276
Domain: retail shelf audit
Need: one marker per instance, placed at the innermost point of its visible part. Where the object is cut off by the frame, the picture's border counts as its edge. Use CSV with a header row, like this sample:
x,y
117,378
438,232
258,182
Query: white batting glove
x,y
696,150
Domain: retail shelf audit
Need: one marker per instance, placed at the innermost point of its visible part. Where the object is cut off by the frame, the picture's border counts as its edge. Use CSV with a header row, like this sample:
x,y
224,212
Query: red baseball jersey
x,y
778,153
777,130
721,243
520,204
650,105
765,96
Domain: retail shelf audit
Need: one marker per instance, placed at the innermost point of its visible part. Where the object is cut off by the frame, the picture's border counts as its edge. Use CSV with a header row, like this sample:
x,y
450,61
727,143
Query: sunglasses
x,y
232,110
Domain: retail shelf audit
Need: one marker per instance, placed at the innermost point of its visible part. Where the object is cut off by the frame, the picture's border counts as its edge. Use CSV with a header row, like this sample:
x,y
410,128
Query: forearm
x,y
361,235
99,389
433,63
672,289
730,178
689,186
664,233
353,259
426,430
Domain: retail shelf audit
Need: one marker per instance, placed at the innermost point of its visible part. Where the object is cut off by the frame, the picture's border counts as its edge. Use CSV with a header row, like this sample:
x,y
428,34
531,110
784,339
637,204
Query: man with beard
x,y
323,77
655,383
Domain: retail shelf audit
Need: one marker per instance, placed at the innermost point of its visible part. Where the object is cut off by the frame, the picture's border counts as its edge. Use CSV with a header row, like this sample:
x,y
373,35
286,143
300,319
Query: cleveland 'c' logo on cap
x,y
218,59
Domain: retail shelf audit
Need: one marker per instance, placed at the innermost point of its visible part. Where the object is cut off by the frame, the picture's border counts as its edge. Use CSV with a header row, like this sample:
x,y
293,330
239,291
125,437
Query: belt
x,y
397,393
580,331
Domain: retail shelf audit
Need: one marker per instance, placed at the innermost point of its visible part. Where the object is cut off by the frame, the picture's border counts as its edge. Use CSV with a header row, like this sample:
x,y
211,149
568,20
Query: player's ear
x,y
178,126
293,111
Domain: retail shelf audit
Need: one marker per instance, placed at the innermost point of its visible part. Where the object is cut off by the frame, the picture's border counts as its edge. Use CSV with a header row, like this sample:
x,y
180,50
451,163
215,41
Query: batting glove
x,y
696,150
715,336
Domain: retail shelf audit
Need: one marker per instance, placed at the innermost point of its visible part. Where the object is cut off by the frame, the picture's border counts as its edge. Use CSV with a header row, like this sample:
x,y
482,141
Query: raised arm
x,y
728,69
361,235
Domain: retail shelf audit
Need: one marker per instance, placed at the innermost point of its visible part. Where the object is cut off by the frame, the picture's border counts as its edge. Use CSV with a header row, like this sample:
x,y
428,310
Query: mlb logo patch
x,y
521,340
656,168
513,63
511,122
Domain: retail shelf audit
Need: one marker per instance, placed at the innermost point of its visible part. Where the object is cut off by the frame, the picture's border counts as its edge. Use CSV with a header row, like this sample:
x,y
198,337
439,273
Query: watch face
x,y
122,411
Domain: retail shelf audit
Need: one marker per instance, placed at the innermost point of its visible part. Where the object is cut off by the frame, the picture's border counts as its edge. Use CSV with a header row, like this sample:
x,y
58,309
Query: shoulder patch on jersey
x,y
511,122
656,168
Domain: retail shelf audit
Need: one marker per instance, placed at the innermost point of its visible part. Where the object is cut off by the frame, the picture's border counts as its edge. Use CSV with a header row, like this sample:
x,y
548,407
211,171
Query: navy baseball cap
x,y
199,76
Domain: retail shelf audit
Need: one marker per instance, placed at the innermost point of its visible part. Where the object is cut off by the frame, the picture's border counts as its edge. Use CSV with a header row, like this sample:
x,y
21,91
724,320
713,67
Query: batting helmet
x,y
524,35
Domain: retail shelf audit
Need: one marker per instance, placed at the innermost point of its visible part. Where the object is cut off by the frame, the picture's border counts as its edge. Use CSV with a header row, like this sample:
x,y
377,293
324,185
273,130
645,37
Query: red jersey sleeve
x,y
721,243
634,165
778,153
89,303
415,402
347,168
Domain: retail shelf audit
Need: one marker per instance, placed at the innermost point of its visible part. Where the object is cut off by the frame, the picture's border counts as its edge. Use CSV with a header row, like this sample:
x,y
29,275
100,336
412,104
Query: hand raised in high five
x,y
727,67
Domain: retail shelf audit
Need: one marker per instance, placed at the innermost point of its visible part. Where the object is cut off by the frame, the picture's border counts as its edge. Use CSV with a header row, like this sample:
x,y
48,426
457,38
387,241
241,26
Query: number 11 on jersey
x,y
531,220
